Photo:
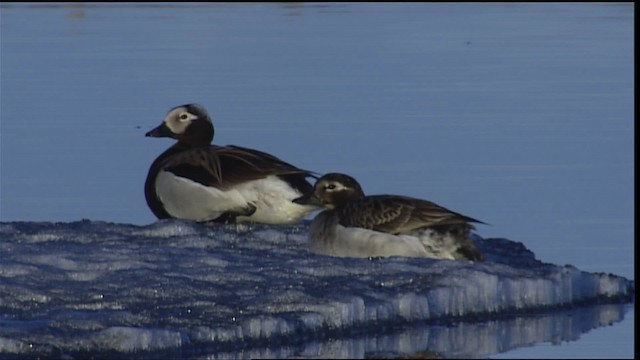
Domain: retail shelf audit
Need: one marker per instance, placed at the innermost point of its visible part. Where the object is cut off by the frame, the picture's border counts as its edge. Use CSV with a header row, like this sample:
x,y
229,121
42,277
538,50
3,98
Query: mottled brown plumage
x,y
397,214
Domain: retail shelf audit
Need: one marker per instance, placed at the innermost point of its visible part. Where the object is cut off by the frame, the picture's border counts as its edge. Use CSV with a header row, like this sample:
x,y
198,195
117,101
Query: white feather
x,y
328,237
272,197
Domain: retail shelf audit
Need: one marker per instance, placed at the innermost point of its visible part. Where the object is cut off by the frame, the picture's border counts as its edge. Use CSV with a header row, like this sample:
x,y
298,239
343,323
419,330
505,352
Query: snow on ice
x,y
182,289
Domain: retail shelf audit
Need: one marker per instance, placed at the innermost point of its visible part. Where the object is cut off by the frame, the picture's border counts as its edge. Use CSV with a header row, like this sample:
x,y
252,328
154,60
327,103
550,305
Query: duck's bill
x,y
160,131
307,199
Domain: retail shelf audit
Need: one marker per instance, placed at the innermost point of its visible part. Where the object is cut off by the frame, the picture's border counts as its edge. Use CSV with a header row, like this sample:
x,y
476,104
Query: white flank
x,y
328,237
272,197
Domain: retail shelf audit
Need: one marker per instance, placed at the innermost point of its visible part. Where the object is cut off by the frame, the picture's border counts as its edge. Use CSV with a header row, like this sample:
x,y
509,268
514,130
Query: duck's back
x,y
399,214
226,166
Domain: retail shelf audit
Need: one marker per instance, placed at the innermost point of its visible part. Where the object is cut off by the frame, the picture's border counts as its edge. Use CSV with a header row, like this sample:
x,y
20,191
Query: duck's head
x,y
189,124
331,191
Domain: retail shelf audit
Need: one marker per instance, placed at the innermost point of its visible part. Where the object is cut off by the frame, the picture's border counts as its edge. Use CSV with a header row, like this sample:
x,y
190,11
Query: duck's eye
x,y
331,187
183,117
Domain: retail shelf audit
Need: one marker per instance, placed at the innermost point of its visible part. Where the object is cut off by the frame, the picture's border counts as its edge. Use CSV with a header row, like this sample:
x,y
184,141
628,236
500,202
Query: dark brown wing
x,y
198,164
225,166
399,214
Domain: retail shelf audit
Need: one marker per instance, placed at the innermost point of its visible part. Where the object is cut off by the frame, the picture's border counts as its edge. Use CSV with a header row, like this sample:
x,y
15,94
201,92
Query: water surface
x,y
520,115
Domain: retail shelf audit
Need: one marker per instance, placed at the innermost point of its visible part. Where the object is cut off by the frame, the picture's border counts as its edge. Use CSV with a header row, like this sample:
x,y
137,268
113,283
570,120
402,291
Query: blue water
x,y
520,115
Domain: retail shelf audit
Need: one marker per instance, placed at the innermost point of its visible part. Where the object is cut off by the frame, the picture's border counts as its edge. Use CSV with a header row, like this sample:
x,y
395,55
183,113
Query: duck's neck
x,y
199,133
342,199
172,150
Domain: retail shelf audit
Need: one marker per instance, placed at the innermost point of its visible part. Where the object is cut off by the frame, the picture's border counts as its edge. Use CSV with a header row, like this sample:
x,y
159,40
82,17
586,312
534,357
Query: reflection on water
x,y
461,340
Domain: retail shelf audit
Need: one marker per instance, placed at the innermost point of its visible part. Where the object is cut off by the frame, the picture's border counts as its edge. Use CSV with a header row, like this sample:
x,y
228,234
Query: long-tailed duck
x,y
198,181
355,225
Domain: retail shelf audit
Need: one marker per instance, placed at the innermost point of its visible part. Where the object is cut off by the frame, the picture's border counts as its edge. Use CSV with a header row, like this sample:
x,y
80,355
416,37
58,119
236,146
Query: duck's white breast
x,y
360,242
272,197
328,237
